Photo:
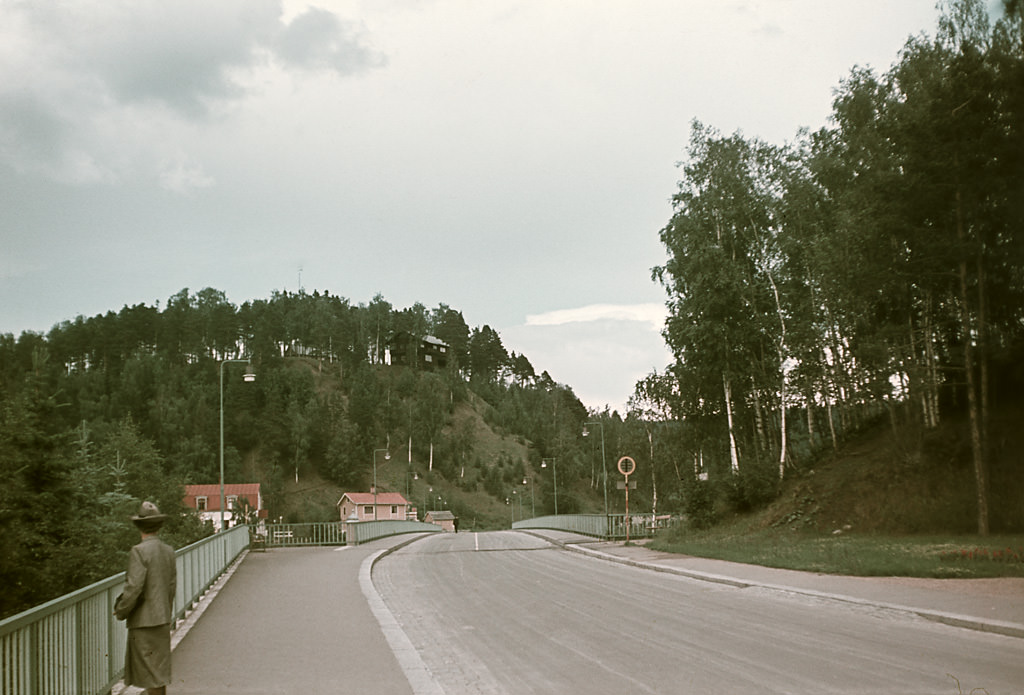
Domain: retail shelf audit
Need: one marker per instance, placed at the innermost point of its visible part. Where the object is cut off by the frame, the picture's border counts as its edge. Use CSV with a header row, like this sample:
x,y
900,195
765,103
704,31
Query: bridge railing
x,y
73,645
305,534
606,526
363,531
595,525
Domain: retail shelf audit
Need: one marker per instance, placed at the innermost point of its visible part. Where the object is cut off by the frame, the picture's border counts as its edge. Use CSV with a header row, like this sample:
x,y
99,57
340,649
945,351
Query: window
x,y
394,510
368,510
232,501
201,503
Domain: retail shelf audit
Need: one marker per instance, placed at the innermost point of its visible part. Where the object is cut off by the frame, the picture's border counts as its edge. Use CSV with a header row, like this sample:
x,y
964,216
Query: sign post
x,y
626,467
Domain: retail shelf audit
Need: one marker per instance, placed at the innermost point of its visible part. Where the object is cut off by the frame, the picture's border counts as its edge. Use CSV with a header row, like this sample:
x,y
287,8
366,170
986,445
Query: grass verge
x,y
850,554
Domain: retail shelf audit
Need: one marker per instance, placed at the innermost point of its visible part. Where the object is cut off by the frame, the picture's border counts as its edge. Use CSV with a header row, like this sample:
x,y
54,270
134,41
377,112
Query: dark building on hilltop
x,y
421,353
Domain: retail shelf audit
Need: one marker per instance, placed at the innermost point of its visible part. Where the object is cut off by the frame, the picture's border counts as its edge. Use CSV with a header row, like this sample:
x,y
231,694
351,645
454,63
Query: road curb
x,y
416,672
997,627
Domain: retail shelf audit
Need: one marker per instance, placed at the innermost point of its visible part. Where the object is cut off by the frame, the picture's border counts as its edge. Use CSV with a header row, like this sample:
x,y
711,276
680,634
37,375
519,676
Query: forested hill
x,y
102,412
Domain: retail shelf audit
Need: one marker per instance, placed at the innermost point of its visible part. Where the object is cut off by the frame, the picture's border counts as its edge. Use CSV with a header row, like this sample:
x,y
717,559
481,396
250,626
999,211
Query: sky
x,y
512,159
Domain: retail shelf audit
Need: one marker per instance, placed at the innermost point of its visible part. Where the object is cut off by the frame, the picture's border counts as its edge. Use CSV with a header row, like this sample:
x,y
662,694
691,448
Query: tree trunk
x,y
812,427
782,368
762,434
831,424
654,478
983,355
931,371
980,469
782,427
734,456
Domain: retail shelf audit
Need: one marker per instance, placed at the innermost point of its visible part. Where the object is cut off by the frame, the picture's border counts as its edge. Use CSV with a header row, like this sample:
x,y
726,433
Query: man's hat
x,y
148,512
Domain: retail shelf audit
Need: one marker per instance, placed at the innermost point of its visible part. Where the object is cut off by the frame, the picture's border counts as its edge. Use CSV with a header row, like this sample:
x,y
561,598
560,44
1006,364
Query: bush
x,y
700,505
752,487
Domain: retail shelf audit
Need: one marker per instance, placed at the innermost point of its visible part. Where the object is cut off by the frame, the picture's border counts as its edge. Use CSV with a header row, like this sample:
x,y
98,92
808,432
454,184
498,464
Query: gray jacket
x,y
148,596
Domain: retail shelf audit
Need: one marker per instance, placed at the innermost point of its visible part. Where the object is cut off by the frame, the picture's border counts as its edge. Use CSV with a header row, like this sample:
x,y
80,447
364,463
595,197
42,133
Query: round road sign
x,y
627,466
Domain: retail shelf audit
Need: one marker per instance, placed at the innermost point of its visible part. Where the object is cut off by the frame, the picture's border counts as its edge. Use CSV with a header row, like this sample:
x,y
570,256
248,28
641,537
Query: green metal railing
x,y
321,533
595,525
336,533
73,645
363,531
607,527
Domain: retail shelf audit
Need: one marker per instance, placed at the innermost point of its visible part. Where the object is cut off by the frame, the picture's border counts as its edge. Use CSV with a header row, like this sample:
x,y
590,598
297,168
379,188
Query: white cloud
x,y
653,314
180,175
318,39
600,350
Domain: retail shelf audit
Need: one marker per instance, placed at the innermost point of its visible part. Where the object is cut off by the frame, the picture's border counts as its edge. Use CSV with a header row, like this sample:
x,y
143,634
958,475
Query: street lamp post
x,y
387,457
533,498
248,376
554,472
604,465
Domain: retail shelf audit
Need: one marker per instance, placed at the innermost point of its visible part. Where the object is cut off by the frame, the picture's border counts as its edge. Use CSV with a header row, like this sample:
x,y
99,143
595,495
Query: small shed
x,y
444,519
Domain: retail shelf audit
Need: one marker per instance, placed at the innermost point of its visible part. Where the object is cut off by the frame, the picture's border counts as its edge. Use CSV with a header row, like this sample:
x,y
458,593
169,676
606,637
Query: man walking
x,y
147,603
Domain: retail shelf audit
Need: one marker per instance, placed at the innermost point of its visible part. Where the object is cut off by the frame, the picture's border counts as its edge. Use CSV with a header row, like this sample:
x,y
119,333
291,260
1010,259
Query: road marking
x,y
416,672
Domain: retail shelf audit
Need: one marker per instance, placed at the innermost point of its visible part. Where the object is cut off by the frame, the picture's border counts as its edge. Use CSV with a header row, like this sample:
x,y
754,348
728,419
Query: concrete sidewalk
x,y
292,620
989,605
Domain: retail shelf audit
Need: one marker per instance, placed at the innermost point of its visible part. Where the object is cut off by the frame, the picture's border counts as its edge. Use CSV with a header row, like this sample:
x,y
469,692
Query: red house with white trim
x,y
244,498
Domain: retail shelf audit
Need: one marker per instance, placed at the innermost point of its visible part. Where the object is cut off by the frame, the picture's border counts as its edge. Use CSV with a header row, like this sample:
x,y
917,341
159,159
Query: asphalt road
x,y
507,612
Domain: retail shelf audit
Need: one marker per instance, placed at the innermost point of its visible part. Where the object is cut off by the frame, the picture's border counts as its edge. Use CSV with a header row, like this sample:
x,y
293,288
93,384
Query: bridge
x,y
72,645
518,612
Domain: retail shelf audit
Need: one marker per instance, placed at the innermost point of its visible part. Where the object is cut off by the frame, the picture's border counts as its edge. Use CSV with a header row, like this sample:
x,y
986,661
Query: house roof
x,y
383,498
250,491
238,489
441,516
